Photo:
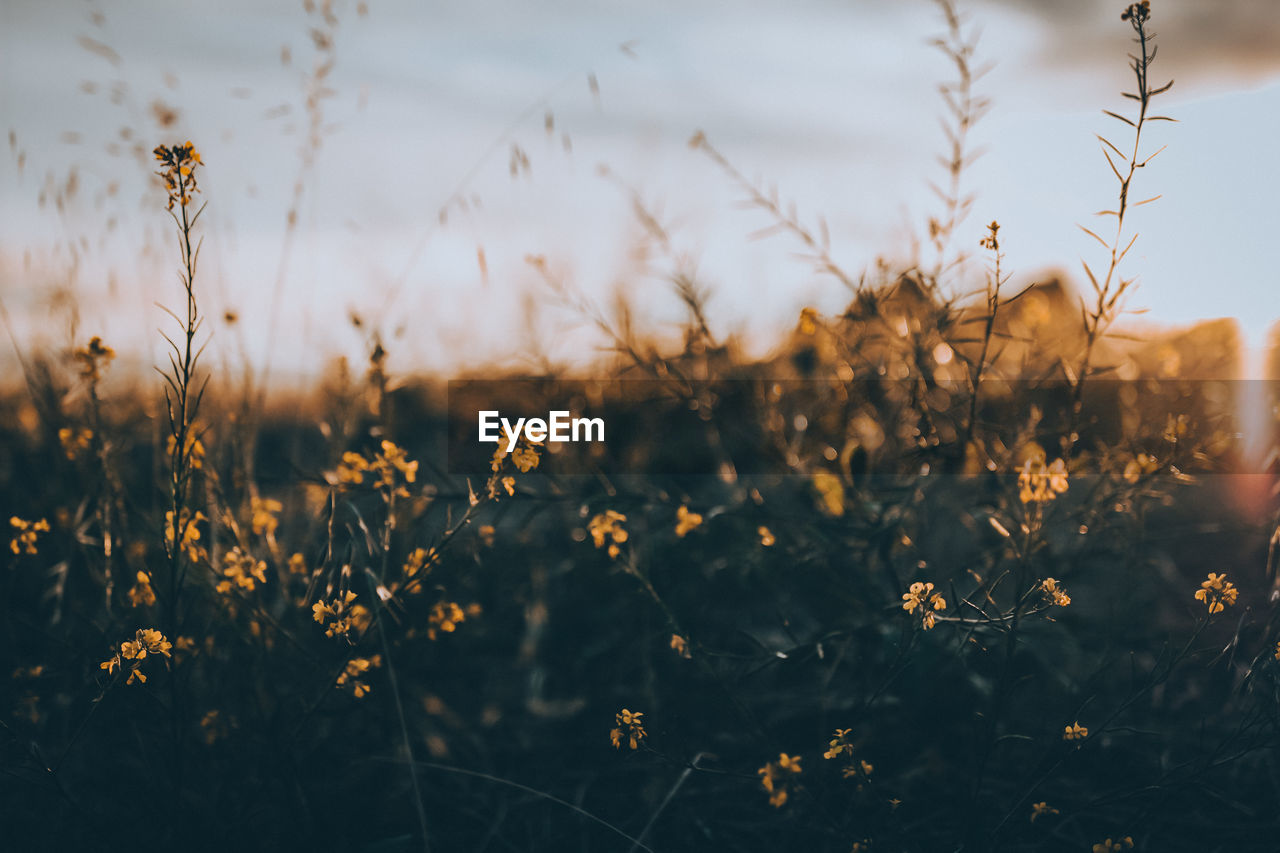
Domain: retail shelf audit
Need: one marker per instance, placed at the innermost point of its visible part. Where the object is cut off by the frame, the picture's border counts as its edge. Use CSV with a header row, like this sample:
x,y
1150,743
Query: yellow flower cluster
x,y
146,641
1054,592
1137,13
686,521
778,778
192,448
607,527
93,358
178,170
420,561
446,616
766,536
141,593
189,540
1042,809
861,769
524,457
265,515
1217,592
839,745
214,727
241,571
830,492
921,595
74,441
629,729
1075,731
1139,466
680,646
341,615
1109,846
1040,483
355,668
390,469
24,541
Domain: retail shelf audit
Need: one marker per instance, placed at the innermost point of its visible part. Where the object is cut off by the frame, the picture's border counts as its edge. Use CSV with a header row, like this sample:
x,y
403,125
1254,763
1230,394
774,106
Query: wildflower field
x,y
958,568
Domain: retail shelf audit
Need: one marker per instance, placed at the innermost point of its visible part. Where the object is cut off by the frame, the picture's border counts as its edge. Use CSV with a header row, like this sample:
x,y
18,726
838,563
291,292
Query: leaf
x,y
1107,142
1089,272
1121,118
1094,236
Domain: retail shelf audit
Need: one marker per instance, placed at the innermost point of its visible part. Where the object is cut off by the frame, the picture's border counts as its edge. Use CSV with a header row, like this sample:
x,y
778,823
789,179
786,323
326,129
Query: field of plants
x,y
957,569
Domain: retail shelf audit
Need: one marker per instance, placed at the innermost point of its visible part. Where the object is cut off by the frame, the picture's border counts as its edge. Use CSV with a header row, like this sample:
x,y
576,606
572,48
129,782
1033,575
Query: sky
x,y
409,215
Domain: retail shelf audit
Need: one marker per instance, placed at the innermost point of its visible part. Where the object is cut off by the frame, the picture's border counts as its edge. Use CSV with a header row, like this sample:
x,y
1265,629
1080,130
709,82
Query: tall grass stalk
x,y
1109,287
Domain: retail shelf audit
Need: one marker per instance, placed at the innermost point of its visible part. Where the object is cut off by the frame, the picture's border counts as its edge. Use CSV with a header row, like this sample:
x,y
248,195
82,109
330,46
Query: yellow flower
x,y
390,468
352,467
446,616
214,727
1054,592
297,565
778,778
1109,846
840,745
766,537
680,646
1139,466
1075,731
338,613
141,594
154,642
629,729
1041,809
146,641
525,458
1040,483
686,521
830,491
394,460
190,539
1217,592
607,528
420,560
178,171
27,533
921,595
183,646
1137,13
93,358
240,571
192,447
355,668
1277,651
264,515
74,441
